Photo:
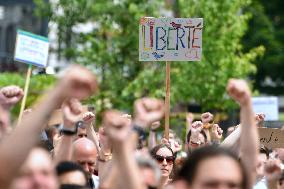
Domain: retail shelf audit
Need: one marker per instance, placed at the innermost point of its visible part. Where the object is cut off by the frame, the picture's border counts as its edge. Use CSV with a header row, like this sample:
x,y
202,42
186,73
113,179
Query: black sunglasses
x,y
169,159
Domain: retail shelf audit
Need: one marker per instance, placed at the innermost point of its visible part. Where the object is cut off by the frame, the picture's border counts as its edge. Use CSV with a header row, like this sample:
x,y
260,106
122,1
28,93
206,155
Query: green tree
x,y
267,29
38,85
111,49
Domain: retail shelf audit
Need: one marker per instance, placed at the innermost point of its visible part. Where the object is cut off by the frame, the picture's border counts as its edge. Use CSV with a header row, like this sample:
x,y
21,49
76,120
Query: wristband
x,y
140,131
69,132
107,157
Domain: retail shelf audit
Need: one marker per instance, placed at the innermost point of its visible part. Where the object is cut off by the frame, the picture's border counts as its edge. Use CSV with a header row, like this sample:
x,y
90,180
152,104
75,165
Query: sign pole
x,y
167,100
25,92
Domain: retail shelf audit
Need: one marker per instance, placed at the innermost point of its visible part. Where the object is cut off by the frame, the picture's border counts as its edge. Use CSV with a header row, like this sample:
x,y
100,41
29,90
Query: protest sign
x,y
31,49
170,39
266,105
271,138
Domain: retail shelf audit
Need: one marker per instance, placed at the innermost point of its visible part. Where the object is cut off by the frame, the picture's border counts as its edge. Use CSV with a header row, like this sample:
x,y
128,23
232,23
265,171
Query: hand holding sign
x,y
239,91
10,95
147,111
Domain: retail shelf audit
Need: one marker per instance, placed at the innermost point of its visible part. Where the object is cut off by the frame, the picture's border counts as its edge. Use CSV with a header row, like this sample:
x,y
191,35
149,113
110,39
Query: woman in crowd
x,y
165,157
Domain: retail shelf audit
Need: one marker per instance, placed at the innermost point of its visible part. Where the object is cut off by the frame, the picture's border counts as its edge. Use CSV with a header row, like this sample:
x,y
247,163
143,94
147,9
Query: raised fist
x,y
116,126
196,127
147,111
239,91
155,125
259,118
206,117
71,110
10,95
88,117
78,82
216,132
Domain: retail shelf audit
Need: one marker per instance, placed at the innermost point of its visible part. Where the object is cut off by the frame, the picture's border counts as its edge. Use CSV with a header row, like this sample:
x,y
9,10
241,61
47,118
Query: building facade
x,y
14,15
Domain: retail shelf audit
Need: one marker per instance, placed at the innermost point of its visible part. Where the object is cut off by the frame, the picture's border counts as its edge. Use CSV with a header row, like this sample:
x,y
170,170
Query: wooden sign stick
x,y
25,93
167,100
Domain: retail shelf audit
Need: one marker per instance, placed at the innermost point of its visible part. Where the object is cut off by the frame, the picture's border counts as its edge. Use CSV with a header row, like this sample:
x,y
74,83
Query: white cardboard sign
x,y
31,49
170,39
266,105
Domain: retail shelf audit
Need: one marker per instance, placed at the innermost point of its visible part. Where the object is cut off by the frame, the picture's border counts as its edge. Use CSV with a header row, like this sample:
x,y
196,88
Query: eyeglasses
x,y
169,159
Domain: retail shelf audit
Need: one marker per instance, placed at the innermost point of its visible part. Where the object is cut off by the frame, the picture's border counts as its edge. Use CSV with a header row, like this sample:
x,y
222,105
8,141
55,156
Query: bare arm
x,y
71,110
152,140
91,133
15,148
249,150
233,140
239,91
119,131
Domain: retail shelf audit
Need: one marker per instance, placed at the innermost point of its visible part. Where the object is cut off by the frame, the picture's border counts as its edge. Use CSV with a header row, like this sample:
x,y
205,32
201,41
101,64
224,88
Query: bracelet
x,y
108,157
69,132
140,131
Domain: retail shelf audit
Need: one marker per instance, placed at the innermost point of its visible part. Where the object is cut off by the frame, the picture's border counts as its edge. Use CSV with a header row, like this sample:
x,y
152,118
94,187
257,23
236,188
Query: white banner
x,y
31,49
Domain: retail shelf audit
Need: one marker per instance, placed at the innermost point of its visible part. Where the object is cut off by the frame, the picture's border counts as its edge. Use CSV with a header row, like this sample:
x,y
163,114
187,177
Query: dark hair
x,y
68,166
264,150
189,169
189,135
154,150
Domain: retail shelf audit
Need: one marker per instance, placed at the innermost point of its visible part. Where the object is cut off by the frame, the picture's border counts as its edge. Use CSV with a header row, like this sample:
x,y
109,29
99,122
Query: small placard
x,y
271,138
170,39
268,106
31,49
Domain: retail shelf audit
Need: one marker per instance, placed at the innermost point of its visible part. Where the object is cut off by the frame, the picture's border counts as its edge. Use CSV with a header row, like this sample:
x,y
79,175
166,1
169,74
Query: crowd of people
x,y
124,152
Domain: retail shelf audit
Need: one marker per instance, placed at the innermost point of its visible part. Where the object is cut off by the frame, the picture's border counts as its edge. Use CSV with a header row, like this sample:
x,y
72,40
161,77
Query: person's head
x,y
85,154
81,133
202,140
263,156
37,172
211,167
150,171
165,158
71,173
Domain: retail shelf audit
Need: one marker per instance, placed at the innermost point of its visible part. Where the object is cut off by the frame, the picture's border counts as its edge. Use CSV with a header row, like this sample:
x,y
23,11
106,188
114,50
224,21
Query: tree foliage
x,y
267,29
38,85
111,49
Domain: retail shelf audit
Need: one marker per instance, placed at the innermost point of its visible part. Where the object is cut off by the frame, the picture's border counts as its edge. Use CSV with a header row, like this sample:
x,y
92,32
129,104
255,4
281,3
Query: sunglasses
x,y
169,159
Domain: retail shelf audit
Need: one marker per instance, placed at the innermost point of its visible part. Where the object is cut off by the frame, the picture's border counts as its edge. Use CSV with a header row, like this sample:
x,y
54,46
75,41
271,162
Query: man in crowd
x,y
85,154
